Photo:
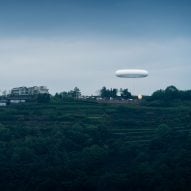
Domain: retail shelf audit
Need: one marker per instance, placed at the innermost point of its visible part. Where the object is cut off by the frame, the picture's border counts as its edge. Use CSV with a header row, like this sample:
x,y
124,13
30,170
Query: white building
x,y
16,101
24,91
19,91
38,90
3,103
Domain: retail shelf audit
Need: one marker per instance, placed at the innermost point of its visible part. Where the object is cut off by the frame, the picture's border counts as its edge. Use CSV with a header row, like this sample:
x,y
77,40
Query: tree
x,y
185,95
113,93
125,94
171,92
76,93
43,98
158,95
105,93
108,93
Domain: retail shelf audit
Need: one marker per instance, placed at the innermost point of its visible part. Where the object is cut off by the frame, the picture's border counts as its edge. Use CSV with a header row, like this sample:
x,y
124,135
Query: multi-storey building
x,y
24,91
19,91
38,90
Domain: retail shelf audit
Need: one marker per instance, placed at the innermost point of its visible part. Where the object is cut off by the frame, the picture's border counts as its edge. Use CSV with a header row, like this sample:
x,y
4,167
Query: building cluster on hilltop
x,y
25,91
22,94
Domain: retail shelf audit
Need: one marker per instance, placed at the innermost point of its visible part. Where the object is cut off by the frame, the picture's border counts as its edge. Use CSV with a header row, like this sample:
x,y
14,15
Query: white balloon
x,y
131,73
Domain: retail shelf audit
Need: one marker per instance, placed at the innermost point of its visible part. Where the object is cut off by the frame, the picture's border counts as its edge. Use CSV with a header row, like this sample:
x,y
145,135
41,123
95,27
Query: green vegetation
x,y
59,143
75,93
112,93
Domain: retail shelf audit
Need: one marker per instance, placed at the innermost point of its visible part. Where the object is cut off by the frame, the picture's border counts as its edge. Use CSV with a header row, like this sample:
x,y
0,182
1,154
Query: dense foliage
x,y
112,93
74,145
171,93
75,93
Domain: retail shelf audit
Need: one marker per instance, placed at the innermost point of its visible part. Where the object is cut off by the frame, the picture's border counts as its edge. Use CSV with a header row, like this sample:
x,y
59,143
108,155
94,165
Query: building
x,y
16,101
3,103
26,91
19,91
38,90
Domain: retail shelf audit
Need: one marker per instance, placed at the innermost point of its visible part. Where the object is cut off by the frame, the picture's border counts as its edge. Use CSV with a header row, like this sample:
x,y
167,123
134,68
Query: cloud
x,y
89,64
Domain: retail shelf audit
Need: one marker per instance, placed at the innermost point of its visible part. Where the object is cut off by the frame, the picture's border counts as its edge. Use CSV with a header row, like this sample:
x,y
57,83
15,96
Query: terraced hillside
x,y
140,124
130,123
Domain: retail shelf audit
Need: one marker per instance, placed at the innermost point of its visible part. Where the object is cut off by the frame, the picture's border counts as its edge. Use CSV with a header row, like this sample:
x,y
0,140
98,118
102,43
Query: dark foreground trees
x,y
77,146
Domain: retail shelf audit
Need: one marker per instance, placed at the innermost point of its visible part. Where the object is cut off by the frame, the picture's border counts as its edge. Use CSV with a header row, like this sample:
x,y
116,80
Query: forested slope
x,y
80,145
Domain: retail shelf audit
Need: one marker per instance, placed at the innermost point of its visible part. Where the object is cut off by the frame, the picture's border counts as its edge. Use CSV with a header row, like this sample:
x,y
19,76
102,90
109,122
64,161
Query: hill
x,y
80,145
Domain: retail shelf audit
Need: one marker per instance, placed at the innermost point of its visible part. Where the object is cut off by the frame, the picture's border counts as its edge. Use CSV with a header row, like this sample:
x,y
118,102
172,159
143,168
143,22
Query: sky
x,y
66,43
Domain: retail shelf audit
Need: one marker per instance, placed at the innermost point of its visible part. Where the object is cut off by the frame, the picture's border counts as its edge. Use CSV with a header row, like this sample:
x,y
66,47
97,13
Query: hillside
x,y
80,145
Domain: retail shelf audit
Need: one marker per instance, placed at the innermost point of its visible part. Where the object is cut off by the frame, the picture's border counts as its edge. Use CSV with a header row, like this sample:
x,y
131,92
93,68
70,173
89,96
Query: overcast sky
x,y
66,43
